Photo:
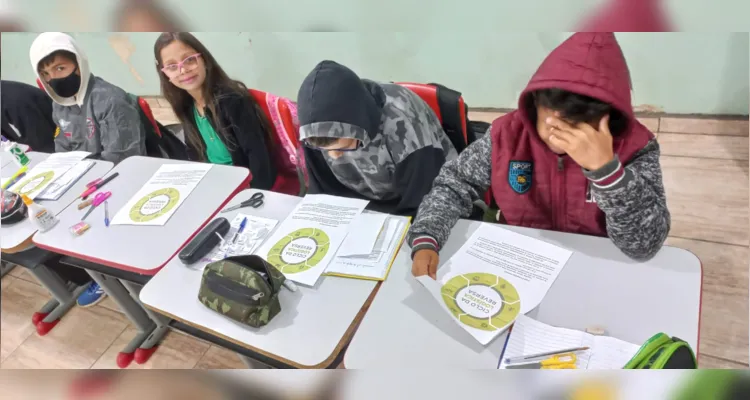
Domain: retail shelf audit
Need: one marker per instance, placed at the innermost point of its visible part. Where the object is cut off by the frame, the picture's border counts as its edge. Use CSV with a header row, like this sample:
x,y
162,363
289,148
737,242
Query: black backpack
x,y
449,101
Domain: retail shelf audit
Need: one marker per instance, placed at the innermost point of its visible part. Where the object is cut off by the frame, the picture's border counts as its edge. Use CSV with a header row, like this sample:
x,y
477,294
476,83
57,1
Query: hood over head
x,y
50,42
334,102
589,64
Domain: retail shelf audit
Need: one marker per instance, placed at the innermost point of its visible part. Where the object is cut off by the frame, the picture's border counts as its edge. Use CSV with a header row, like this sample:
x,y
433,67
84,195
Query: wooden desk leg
x,y
132,309
151,344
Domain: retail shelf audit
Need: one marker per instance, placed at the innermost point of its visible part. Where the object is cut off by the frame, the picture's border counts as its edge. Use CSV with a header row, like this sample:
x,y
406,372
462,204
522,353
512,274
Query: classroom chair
x,y
449,107
281,114
454,120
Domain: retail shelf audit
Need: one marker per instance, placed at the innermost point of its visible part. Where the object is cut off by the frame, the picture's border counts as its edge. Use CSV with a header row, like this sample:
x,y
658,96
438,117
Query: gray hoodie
x,y
101,118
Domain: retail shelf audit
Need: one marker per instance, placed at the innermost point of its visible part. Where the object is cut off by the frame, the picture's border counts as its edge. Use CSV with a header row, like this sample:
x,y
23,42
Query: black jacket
x,y
241,121
29,109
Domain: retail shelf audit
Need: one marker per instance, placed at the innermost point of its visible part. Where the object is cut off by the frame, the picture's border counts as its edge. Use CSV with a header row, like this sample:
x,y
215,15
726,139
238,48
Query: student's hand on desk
x,y
425,262
588,147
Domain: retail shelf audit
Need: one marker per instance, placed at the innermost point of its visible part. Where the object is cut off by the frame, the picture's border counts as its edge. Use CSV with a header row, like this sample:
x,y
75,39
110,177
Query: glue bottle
x,y
40,216
19,155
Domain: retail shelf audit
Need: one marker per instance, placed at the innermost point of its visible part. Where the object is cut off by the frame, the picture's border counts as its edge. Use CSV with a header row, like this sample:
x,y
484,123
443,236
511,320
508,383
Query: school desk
x,y
315,324
599,286
122,257
17,247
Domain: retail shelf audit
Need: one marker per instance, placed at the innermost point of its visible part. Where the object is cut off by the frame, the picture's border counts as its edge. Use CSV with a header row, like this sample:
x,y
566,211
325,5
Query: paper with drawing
x,y
495,276
256,231
304,244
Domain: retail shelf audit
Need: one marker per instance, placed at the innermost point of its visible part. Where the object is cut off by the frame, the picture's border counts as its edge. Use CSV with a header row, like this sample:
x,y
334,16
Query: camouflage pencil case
x,y
242,288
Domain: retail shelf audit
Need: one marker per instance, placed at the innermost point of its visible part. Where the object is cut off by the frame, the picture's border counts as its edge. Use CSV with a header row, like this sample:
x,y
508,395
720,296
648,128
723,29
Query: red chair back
x,y
429,94
149,115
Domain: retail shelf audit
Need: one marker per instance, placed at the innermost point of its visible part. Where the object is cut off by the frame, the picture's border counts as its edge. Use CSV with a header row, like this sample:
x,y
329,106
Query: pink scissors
x,y
98,199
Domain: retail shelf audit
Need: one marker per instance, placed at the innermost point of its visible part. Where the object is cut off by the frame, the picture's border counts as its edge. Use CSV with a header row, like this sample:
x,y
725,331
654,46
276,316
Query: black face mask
x,y
68,86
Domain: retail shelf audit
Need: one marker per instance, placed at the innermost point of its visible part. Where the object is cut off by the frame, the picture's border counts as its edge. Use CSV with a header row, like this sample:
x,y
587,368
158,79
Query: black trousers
x,y
68,273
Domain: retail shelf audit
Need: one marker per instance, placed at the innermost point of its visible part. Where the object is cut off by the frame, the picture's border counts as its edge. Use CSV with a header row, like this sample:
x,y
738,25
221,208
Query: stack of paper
x,y
308,239
376,264
529,336
66,181
47,172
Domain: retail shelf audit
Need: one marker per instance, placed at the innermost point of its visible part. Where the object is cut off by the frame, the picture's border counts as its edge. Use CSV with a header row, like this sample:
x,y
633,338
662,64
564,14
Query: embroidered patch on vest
x,y
519,175
91,127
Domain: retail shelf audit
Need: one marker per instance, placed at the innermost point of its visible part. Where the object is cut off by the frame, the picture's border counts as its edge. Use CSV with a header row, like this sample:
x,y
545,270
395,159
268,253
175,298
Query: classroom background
x,y
690,89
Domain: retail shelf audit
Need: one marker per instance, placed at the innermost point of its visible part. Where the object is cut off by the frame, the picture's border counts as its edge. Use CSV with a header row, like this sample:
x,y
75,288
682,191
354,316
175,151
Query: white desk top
x,y
311,324
405,328
142,249
14,235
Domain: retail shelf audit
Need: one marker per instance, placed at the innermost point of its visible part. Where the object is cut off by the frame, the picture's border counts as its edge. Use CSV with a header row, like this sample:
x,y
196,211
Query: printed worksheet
x,y
236,243
162,195
376,264
61,185
46,172
306,242
495,276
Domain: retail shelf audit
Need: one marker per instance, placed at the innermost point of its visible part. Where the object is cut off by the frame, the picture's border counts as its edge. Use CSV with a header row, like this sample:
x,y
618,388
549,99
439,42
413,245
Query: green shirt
x,y
216,151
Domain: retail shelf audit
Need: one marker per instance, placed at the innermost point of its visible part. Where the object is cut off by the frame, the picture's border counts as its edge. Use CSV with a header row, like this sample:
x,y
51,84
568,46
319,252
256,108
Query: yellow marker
x,y
13,178
560,361
57,131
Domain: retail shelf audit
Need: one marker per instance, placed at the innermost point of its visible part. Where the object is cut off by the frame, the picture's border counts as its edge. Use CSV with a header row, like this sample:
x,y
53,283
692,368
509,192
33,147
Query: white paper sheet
x,y
61,185
363,233
376,264
306,242
530,337
162,195
46,172
256,231
495,276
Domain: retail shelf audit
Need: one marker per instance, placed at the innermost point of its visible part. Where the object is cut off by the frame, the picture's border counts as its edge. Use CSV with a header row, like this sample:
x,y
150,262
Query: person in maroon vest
x,y
572,158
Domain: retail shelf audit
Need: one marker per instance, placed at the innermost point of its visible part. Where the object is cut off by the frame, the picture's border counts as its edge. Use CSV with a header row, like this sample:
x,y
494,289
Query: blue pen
x,y
106,214
242,228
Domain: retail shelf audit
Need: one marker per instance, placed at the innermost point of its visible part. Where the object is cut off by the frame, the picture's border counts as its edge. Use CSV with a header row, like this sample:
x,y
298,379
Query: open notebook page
x,y
529,336
611,353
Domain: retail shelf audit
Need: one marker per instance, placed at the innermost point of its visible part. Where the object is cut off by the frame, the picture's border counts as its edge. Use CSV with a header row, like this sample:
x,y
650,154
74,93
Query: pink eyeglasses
x,y
189,64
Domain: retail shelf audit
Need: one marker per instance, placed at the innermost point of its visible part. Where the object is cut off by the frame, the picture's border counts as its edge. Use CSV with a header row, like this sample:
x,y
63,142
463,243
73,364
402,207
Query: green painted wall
x,y
674,72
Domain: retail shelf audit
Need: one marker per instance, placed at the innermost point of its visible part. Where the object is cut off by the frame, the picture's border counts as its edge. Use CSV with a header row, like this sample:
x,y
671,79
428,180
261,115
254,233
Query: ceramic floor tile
x,y
6,281
18,302
220,358
81,337
176,351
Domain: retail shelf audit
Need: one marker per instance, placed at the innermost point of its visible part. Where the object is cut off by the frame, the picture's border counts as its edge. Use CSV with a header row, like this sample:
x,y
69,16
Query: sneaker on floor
x,y
92,295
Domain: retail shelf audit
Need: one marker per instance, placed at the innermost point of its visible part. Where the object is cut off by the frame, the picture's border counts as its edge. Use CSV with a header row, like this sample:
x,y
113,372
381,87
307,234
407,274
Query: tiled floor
x,y
87,337
705,168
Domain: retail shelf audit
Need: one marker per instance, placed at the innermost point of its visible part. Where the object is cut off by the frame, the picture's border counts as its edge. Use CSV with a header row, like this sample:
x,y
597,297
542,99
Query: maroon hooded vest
x,y
535,187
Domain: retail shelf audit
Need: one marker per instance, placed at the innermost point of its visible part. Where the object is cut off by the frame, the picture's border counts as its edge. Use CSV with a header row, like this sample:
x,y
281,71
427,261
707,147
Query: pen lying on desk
x,y
520,359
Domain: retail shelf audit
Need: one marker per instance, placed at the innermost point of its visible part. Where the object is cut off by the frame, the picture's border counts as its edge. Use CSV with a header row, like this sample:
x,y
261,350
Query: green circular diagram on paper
x,y
299,251
32,184
481,300
154,205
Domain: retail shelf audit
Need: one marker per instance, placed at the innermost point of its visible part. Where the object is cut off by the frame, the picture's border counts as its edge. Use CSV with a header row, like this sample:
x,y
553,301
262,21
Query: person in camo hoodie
x,y
92,114
375,141
572,158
